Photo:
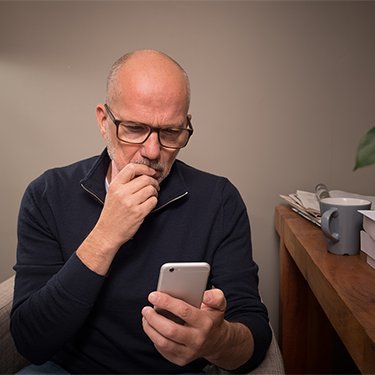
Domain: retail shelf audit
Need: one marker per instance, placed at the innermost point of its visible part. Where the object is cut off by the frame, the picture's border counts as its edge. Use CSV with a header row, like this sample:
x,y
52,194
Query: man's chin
x,y
160,176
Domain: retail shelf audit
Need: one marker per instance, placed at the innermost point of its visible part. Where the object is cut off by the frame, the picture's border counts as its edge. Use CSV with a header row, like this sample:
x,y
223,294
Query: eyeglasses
x,y
138,133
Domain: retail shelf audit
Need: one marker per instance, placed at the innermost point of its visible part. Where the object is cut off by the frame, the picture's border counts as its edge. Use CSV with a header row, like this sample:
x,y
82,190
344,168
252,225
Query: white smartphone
x,y
186,281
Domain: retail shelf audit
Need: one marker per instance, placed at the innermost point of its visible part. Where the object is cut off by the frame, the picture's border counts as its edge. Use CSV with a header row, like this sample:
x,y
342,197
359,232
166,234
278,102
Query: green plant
x,y
366,150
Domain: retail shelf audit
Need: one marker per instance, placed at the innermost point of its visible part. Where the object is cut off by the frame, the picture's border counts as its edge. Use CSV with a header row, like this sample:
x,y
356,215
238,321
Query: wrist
x,y
97,253
234,347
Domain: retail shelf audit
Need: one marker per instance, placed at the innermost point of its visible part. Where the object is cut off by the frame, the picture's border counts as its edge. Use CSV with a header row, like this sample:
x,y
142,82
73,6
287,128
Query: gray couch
x,y
11,361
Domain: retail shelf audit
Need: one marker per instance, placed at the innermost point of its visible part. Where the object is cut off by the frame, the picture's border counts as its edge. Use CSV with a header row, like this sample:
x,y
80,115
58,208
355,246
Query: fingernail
x,y
153,298
145,311
208,296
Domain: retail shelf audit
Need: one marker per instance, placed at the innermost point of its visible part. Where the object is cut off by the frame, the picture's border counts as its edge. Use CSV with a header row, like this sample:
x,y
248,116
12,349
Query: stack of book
x,y
368,237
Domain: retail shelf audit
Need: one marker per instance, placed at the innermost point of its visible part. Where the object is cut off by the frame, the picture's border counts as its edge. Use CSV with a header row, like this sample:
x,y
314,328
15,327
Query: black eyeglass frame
x,y
152,129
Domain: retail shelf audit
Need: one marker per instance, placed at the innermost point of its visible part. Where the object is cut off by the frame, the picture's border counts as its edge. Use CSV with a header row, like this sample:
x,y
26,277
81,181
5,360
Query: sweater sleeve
x,y
53,296
236,273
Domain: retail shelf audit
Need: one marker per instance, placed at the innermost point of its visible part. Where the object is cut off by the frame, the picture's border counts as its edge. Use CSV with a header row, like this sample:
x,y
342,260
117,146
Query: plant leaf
x,y
366,150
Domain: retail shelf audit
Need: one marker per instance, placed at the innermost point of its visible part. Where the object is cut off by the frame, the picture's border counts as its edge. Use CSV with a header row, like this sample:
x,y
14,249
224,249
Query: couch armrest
x,y
10,360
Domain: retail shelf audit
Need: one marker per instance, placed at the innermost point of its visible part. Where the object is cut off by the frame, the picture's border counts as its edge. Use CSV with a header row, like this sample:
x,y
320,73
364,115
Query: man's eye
x,y
134,128
171,132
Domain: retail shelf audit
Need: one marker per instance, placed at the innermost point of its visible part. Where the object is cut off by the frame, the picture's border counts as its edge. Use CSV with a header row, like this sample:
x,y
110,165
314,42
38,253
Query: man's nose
x,y
152,147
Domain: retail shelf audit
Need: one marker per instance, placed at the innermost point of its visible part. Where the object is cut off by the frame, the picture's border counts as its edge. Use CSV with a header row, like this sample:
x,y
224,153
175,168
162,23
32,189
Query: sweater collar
x,y
171,189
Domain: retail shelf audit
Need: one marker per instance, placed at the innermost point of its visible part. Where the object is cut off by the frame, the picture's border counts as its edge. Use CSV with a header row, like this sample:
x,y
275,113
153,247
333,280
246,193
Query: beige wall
x,y
282,93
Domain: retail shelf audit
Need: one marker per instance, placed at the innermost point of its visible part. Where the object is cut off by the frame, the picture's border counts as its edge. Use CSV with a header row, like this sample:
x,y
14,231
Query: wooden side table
x,y
318,291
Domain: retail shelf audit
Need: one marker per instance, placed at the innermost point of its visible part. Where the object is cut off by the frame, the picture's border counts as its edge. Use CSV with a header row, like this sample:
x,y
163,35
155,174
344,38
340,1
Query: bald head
x,y
150,73
145,87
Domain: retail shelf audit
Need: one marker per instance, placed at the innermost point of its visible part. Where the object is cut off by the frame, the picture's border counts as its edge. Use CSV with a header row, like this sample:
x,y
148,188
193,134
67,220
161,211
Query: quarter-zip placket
x,y
169,202
155,210
93,194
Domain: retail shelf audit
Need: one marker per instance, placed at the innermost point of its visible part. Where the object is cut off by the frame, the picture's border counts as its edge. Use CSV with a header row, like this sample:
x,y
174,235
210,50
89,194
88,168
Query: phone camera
x,y
171,269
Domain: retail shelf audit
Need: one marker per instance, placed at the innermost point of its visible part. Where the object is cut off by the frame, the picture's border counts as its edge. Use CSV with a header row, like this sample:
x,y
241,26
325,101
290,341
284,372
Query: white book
x,y
367,244
371,262
369,222
366,258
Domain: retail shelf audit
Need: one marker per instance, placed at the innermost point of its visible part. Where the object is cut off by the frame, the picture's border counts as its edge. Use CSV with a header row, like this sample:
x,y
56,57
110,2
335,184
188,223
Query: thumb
x,y
214,298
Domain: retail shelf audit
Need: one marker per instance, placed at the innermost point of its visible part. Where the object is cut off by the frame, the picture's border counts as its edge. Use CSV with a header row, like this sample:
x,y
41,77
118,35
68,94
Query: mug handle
x,y
326,217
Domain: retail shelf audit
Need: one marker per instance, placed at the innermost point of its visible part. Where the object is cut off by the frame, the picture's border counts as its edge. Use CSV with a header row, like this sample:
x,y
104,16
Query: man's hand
x,y
131,196
205,333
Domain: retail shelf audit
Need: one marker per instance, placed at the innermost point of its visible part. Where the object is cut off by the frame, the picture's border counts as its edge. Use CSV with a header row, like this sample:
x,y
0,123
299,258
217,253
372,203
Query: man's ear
x,y
101,118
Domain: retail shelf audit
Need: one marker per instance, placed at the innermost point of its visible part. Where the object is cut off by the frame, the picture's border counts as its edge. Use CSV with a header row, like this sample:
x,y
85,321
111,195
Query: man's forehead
x,y
152,91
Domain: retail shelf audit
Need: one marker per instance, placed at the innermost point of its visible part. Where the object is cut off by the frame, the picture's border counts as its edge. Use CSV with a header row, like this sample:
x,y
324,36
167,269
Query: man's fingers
x,y
181,309
135,180
160,328
180,343
132,170
136,177
170,348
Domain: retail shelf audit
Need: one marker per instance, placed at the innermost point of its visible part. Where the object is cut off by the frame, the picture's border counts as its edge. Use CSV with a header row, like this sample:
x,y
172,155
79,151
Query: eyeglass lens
x,y
138,133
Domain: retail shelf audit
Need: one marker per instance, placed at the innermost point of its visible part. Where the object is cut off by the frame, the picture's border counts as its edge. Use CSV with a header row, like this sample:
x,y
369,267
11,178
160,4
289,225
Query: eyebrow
x,y
158,126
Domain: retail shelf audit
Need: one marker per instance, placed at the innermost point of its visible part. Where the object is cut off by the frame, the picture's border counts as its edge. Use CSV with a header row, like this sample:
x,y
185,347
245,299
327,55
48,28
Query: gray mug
x,y
342,223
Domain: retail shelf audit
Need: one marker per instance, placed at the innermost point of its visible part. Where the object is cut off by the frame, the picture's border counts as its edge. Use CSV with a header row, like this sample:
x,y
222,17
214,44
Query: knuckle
x,y
151,190
143,178
153,201
167,301
184,311
208,325
130,168
163,344
172,331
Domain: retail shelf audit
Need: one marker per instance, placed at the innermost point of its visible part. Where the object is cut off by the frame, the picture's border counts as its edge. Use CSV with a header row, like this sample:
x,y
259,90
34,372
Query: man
x,y
93,235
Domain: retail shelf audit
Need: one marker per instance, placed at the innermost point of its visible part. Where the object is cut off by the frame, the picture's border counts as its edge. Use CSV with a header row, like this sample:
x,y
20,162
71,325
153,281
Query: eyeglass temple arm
x,y
191,126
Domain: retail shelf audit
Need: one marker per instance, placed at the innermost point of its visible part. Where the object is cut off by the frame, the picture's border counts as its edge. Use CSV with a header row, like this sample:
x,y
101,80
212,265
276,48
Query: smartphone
x,y
186,281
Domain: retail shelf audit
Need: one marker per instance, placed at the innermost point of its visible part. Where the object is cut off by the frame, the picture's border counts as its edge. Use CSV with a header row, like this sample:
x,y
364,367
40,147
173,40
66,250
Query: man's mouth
x,y
159,167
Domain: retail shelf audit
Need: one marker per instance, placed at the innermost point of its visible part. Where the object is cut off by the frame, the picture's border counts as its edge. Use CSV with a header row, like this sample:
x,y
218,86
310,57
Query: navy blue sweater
x,y
92,324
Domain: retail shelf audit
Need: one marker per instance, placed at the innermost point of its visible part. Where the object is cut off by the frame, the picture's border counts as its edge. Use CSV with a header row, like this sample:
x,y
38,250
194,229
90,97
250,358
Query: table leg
x,y
305,331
